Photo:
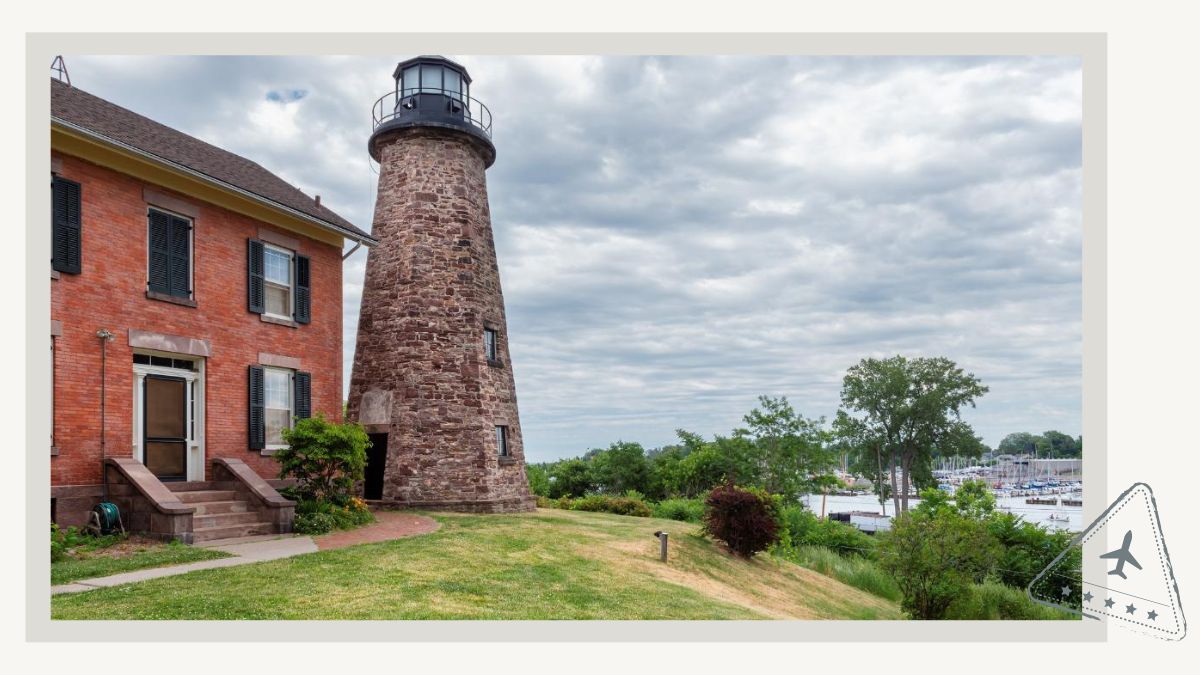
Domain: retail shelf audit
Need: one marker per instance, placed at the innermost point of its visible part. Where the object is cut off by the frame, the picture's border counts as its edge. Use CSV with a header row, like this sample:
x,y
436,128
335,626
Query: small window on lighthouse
x,y
489,344
502,441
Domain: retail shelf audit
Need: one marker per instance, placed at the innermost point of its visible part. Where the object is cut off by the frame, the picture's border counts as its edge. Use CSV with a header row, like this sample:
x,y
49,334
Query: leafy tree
x,y
324,457
974,499
789,449
866,452
570,478
703,469
1060,445
1020,443
1028,549
539,479
911,406
935,555
1050,444
620,468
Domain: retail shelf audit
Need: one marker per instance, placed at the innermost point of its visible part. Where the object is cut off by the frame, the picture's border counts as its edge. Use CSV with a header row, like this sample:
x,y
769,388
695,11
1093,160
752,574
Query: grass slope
x,y
101,563
547,565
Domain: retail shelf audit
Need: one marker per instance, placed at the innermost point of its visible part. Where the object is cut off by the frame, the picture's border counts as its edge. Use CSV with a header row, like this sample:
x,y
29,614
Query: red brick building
x,y
196,311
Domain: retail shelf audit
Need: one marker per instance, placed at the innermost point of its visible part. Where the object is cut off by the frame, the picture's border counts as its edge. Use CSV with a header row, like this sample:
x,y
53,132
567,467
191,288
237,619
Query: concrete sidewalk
x,y
245,553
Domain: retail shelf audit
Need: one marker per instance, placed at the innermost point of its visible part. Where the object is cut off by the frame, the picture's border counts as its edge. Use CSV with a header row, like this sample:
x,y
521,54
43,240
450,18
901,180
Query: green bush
x,y
803,528
624,506
745,519
58,544
993,600
1028,549
314,523
337,516
325,458
687,510
935,555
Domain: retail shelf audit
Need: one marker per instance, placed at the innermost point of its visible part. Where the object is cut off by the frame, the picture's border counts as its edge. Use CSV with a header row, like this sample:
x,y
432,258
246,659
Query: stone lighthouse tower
x,y
432,381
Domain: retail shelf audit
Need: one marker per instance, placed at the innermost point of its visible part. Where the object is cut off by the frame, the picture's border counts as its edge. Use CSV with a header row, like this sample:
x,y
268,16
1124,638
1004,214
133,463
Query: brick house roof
x,y
79,108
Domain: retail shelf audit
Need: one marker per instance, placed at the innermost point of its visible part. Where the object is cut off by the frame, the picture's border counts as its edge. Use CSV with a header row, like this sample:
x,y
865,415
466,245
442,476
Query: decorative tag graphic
x,y
1131,583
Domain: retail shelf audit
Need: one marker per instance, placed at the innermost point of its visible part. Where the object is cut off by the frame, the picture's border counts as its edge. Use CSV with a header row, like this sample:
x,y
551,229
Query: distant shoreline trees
x,y
779,450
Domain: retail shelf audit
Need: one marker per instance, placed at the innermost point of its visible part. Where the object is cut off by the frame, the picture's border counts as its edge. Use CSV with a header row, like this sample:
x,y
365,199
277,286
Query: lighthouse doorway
x,y
376,459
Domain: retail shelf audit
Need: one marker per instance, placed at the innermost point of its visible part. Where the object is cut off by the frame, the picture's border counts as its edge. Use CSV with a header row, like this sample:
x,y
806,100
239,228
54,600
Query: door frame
x,y
195,410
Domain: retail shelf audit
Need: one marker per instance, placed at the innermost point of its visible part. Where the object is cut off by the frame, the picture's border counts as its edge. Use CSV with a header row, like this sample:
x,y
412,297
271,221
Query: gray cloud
x,y
678,235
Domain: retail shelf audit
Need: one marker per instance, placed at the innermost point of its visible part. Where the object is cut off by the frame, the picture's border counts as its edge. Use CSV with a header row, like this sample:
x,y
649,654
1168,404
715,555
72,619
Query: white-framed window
x,y
502,441
278,269
279,405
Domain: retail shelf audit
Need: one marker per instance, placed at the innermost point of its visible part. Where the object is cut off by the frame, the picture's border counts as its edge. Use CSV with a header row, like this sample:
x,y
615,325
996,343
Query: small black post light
x,y
662,545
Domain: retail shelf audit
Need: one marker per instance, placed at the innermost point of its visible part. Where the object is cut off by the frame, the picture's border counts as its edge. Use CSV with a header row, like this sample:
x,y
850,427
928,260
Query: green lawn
x,y
101,562
548,565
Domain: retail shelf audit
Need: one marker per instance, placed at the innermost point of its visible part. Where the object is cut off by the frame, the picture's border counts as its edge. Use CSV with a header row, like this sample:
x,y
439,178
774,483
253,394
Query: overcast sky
x,y
680,235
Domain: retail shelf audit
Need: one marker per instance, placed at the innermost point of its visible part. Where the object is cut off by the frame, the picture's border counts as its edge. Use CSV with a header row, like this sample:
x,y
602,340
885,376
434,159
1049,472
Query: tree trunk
x,y
895,491
906,466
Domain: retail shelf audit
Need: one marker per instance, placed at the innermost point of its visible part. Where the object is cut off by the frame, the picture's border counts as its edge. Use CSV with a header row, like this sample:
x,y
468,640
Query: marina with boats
x,y
1047,492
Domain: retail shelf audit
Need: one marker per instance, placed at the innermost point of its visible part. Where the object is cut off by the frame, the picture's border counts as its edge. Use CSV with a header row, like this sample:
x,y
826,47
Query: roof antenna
x,y
60,68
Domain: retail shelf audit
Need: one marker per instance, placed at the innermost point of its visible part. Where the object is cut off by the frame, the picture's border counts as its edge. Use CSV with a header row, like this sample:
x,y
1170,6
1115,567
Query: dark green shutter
x,y
170,254
258,423
160,252
66,226
303,294
180,256
254,273
303,384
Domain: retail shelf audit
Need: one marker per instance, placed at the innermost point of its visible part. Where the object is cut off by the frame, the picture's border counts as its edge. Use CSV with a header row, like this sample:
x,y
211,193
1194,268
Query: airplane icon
x,y
1122,556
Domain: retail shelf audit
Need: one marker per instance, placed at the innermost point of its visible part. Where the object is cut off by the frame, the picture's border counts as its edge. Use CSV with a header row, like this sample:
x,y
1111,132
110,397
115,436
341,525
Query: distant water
x,y
1030,512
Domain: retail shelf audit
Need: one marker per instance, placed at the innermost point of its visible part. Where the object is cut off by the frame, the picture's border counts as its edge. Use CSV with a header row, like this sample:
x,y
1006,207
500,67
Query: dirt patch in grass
x,y
124,548
776,588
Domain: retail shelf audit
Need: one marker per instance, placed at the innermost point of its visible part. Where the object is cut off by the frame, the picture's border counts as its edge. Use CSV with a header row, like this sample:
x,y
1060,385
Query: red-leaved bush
x,y
747,520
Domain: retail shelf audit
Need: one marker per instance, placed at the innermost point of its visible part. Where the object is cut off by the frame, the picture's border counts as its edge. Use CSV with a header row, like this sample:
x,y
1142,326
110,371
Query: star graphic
x,y
1087,597
1130,609
1108,602
1152,615
1066,590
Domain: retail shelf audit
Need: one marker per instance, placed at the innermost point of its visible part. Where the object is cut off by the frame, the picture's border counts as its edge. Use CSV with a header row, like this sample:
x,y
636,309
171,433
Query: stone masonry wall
x,y
420,371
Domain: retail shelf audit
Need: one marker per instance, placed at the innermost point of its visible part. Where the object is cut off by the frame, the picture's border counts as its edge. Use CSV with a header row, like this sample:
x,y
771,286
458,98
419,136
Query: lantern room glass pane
x,y
409,84
453,83
431,79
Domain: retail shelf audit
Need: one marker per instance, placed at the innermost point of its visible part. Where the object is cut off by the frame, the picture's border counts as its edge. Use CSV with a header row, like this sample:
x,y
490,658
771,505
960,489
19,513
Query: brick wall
x,y
111,293
420,372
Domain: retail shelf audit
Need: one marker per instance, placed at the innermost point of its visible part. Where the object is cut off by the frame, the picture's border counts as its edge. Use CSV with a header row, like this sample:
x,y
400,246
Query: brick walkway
x,y
388,525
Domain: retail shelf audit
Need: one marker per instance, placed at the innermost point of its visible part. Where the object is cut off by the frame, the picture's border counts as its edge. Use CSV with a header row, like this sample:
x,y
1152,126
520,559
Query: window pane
x,y
277,421
279,300
502,441
277,389
277,266
431,78
452,80
489,343
409,83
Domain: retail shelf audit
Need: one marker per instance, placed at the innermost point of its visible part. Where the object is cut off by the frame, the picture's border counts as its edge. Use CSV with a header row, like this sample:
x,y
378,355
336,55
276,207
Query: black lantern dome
x,y
432,91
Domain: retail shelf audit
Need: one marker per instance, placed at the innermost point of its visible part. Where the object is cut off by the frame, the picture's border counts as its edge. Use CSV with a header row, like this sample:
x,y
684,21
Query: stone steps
x,y
203,534
198,485
200,496
223,520
214,508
